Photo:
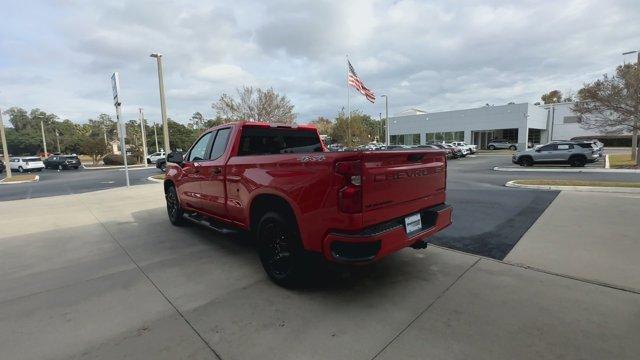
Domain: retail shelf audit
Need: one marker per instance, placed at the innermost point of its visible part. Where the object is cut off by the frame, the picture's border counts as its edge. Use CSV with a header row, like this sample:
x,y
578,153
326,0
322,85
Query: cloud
x,y
436,55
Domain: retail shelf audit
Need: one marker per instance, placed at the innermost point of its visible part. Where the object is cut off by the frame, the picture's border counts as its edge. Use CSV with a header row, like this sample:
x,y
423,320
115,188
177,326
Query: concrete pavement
x,y
104,275
592,236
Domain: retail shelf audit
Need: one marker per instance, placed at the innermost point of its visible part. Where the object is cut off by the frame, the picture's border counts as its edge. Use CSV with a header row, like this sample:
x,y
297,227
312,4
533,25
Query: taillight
x,y
350,195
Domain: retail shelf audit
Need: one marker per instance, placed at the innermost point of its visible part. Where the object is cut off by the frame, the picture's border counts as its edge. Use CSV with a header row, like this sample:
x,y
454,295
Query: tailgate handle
x,y
415,157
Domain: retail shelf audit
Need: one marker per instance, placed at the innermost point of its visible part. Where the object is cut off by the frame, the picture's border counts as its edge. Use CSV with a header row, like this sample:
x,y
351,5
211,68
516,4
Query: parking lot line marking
x,y
153,283
425,310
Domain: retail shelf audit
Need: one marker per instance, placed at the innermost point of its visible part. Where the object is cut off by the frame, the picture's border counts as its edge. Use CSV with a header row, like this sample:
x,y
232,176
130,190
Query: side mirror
x,y
175,157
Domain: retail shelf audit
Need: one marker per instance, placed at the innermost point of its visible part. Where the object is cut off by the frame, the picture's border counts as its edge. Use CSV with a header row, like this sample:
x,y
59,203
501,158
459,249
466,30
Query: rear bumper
x,y
380,240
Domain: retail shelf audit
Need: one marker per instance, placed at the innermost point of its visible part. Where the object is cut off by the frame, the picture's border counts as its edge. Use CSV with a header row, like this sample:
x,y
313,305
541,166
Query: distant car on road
x,y
61,162
471,149
27,163
572,153
2,166
502,144
161,164
153,158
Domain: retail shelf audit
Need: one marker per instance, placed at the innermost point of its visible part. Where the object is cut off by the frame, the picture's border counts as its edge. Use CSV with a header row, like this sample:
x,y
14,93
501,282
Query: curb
x,y
115,167
575,188
150,178
36,179
561,170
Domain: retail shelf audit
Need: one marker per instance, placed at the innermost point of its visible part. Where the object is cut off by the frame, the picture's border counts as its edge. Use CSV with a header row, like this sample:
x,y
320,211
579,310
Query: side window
x,y
549,147
564,147
220,143
199,150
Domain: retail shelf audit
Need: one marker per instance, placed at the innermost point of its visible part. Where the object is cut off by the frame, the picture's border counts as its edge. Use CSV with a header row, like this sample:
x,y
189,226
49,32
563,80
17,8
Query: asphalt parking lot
x,y
104,275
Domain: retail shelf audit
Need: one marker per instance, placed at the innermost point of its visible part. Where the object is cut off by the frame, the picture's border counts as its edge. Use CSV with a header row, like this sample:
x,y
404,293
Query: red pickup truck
x,y
298,199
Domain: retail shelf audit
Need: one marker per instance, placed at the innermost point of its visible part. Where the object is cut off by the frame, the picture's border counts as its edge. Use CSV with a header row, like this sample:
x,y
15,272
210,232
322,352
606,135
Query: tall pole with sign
x,y
5,150
163,103
115,85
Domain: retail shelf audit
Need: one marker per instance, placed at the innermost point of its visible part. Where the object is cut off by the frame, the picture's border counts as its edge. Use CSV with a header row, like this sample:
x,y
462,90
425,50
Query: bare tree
x,y
612,103
257,105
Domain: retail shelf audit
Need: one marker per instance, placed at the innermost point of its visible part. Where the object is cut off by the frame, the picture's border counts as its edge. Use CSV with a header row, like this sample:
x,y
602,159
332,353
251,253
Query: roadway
x,y
66,182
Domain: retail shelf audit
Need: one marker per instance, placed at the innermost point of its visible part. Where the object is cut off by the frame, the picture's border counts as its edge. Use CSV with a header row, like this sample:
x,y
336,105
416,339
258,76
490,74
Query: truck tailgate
x,y
396,177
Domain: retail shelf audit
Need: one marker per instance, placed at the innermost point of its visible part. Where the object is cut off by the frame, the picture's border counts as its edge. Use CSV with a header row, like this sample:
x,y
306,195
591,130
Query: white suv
x,y
471,149
22,164
151,159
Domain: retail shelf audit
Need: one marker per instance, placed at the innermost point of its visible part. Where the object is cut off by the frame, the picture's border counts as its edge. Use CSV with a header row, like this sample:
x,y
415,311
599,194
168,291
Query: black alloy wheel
x,y
577,161
174,210
281,252
526,161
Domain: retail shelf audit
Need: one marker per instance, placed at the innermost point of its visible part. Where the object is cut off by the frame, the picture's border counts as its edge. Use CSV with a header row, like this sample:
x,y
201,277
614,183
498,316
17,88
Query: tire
x,y
281,252
148,161
75,167
174,210
577,161
163,167
20,169
513,148
526,161
492,147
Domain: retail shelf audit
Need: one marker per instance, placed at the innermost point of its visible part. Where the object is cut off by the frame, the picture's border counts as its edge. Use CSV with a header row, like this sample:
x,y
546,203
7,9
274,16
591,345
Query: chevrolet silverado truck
x,y
298,200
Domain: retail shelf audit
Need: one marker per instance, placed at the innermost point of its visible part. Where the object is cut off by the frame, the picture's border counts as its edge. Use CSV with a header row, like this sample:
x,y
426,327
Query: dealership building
x,y
519,123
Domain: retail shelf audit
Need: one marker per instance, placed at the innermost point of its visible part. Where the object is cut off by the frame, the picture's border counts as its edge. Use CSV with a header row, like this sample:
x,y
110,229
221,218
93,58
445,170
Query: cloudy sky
x,y
436,55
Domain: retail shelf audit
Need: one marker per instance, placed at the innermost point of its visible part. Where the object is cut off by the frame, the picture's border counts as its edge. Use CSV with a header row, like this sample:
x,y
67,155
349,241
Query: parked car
x,y
571,153
502,144
151,159
2,166
449,150
471,149
465,150
28,163
457,152
62,162
161,164
302,202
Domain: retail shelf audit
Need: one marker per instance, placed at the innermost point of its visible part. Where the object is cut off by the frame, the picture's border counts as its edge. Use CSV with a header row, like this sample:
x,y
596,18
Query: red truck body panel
x,y
393,185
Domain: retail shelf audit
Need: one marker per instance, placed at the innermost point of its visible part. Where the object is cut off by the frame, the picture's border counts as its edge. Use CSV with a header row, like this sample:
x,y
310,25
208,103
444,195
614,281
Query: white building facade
x,y
521,123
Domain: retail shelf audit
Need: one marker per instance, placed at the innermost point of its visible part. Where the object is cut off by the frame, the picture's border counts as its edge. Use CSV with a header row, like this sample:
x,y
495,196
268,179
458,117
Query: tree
x,y
324,125
181,136
94,147
356,128
257,105
612,103
552,97
197,121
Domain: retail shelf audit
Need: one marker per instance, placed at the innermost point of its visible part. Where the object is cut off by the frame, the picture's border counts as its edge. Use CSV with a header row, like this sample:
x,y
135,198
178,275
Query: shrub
x,y
113,159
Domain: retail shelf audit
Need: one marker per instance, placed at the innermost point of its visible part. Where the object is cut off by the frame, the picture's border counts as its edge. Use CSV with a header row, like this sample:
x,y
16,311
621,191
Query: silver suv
x,y
572,153
502,144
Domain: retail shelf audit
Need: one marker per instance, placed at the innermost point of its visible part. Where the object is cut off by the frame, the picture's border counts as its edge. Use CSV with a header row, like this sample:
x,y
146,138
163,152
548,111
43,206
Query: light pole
x,y
634,137
5,150
155,134
144,138
386,119
163,105
44,141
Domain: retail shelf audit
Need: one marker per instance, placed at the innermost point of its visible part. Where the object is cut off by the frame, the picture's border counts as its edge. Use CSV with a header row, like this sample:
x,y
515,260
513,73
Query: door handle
x,y
217,170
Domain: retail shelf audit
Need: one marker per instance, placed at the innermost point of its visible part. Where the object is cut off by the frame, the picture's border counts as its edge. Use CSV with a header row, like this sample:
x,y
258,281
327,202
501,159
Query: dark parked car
x,y
62,162
161,164
2,167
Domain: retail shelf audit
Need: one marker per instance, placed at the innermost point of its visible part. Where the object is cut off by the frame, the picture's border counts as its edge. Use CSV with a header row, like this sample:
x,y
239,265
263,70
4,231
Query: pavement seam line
x,y
425,309
154,284
548,272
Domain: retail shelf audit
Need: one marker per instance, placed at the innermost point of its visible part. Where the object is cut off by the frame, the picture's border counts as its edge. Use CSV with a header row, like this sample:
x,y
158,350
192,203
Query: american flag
x,y
355,81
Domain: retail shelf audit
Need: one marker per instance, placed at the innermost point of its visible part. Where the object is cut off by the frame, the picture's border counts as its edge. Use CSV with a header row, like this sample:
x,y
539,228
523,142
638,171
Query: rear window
x,y
264,141
32,159
586,145
71,157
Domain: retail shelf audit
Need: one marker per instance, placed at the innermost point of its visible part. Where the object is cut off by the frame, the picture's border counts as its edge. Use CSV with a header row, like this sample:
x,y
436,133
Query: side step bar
x,y
210,223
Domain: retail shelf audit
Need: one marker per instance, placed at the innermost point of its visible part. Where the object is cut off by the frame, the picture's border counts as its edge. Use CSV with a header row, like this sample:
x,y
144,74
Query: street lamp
x,y
163,105
634,137
44,141
386,118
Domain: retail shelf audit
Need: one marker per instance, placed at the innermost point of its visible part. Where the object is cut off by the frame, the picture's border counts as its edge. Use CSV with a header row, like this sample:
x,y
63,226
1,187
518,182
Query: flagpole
x,y
348,107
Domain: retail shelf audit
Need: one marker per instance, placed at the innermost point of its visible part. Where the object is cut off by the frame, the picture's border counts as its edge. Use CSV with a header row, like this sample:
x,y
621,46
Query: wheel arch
x,y
265,202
